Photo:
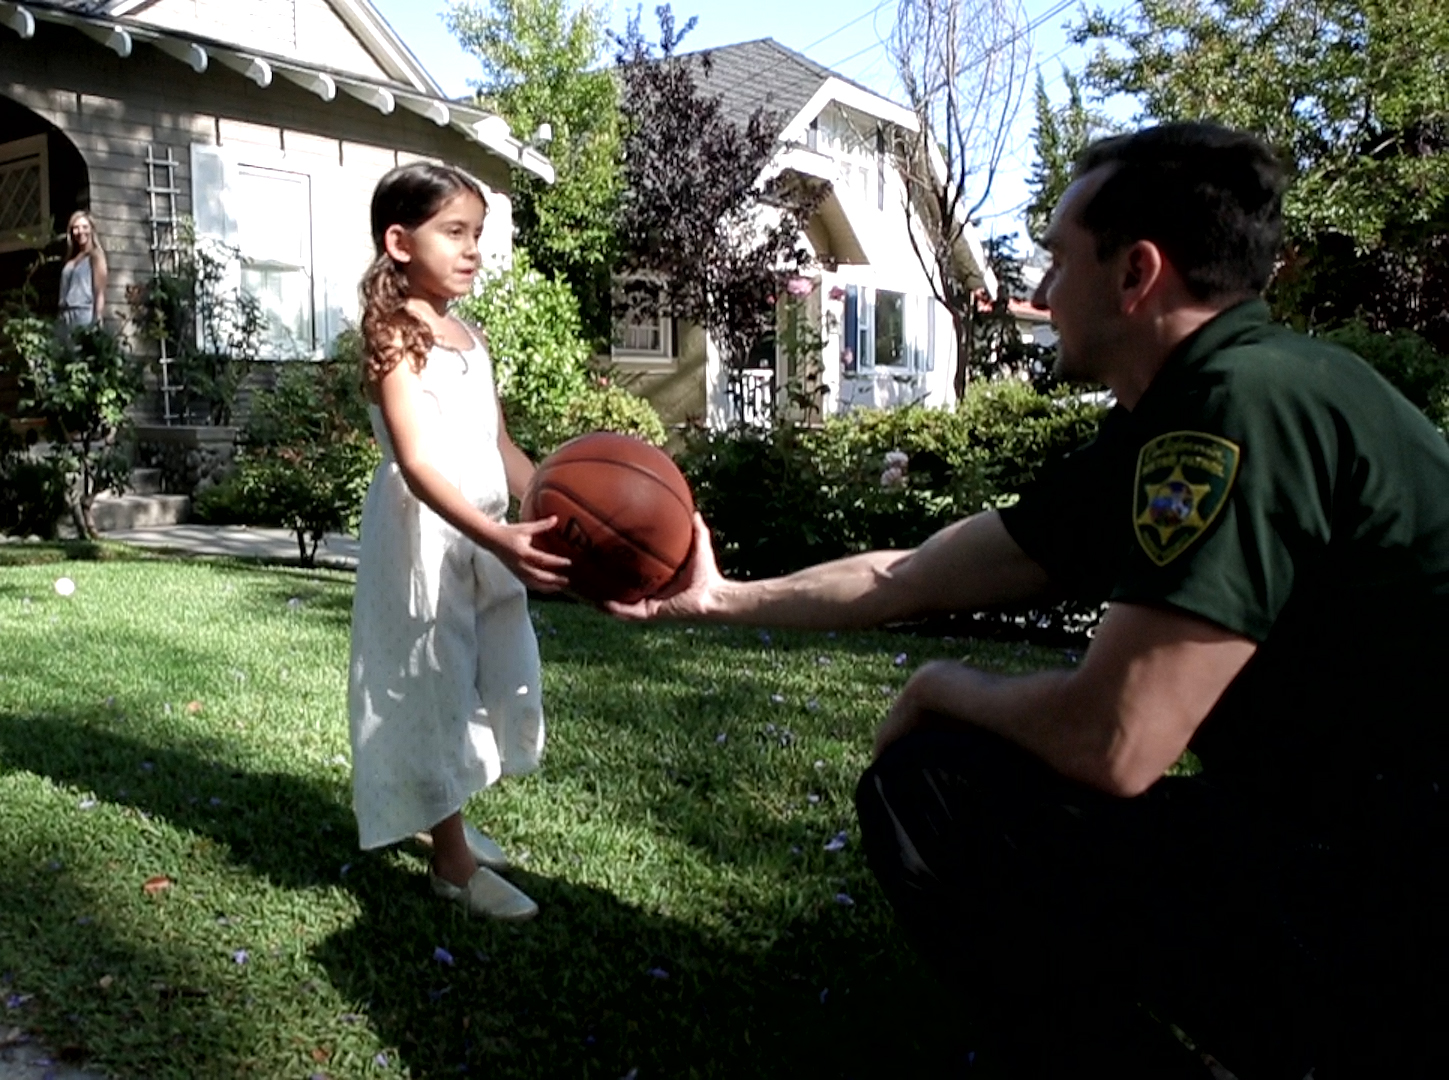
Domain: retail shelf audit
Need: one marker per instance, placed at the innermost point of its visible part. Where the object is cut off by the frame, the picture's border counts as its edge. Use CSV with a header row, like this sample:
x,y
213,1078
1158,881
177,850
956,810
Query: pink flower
x,y
837,292
799,286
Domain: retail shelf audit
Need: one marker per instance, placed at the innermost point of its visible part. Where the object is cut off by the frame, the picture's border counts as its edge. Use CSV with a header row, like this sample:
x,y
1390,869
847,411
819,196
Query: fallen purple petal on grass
x,y
380,1061
240,956
844,900
720,738
443,956
345,867
900,659
836,843
778,699
812,798
87,804
795,849
657,973
812,705
15,1001
214,801
632,1074
147,766
84,920
824,994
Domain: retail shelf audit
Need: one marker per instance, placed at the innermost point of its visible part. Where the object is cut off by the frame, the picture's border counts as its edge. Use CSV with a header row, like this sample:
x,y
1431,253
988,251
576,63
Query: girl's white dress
x,y
444,692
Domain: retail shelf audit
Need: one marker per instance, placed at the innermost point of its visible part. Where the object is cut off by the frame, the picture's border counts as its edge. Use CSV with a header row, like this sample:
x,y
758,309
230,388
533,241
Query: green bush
x,y
785,498
606,407
311,488
1405,359
541,363
34,492
307,457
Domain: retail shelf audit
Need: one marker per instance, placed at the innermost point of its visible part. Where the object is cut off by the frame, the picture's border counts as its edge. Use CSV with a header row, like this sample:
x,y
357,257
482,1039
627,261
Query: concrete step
x,y
112,512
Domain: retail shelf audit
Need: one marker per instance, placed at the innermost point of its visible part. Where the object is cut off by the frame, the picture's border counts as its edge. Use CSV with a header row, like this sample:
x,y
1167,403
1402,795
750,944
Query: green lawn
x,y
187,719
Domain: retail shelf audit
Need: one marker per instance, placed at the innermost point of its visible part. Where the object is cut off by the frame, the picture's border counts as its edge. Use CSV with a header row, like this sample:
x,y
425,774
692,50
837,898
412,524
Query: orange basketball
x,y
625,515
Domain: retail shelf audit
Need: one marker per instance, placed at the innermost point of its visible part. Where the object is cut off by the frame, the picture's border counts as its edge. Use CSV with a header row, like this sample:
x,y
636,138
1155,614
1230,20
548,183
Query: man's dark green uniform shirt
x,y
1277,486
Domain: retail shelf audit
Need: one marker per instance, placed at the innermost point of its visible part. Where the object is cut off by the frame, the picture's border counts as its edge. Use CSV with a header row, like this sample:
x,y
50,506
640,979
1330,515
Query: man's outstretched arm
x,y
1117,722
968,565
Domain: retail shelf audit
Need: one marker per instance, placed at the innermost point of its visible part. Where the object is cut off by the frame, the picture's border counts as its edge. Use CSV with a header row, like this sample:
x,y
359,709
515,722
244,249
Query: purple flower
x,y
380,1061
900,659
14,1001
836,843
240,956
443,956
657,973
844,899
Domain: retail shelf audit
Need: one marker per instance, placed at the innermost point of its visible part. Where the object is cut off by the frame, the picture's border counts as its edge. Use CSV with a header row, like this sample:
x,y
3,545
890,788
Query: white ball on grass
x,y
64,586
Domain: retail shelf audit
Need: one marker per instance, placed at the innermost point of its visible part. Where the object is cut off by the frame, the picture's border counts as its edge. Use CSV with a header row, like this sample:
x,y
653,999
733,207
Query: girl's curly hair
x,y
406,196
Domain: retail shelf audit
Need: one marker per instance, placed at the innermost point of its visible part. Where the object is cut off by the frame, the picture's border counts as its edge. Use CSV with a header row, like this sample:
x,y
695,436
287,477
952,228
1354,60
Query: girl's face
x,y
440,256
80,233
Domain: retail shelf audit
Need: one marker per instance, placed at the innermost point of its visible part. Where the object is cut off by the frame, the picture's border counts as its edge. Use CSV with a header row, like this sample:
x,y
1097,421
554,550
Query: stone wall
x,y
191,459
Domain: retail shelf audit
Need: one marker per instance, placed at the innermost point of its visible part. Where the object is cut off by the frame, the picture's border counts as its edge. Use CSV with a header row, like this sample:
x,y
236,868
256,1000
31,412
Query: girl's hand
x,y
516,548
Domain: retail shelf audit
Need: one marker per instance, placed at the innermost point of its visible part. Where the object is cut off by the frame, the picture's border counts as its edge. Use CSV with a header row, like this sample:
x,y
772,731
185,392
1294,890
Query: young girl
x,y
84,275
444,689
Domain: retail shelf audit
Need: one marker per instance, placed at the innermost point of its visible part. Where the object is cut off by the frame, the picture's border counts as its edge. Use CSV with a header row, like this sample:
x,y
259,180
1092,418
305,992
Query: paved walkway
x,y
241,541
21,1059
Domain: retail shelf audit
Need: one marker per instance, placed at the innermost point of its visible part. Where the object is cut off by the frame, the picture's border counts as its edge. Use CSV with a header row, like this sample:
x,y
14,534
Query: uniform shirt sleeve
x,y
1232,507
1065,519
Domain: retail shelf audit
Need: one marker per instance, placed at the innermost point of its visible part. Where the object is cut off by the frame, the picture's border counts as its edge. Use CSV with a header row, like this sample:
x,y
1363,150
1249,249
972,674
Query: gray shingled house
x,y
887,341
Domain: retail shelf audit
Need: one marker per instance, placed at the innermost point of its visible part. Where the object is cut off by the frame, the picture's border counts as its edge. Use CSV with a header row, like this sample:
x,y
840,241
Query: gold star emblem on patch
x,y
1183,480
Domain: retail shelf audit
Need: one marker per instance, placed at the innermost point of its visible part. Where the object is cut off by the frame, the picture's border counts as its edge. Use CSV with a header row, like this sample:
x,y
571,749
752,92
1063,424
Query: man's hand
x,y
690,594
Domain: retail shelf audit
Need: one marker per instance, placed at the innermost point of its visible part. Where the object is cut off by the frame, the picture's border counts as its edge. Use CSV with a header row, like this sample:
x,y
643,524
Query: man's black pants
x,y
1078,925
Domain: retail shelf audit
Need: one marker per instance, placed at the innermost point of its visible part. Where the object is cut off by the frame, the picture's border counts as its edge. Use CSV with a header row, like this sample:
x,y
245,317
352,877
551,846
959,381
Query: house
x,y
265,122
883,338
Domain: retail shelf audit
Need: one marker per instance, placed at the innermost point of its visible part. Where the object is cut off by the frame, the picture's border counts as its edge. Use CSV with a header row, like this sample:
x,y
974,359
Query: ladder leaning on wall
x,y
161,191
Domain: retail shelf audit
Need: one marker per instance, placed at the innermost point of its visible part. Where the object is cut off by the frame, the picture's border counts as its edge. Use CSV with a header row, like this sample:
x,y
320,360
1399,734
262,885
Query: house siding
x,y
308,30
113,110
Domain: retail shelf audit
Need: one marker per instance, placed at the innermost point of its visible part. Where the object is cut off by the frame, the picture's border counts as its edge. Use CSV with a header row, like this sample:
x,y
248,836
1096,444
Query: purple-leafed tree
x,y
707,231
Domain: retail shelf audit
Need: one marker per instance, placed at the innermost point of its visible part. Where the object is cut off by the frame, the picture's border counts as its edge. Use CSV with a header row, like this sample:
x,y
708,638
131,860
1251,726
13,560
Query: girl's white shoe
x,y
484,849
488,895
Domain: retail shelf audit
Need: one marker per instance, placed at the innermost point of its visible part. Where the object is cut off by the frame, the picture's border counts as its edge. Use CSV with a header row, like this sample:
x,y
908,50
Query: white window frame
x,y
17,155
223,165
918,331
661,327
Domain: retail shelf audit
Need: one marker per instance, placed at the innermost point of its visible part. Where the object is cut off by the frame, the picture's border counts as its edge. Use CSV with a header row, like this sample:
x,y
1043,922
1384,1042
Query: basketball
x,y
625,515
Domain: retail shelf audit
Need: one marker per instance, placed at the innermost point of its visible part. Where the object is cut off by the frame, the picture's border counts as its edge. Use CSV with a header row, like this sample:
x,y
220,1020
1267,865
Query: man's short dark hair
x,y
1210,197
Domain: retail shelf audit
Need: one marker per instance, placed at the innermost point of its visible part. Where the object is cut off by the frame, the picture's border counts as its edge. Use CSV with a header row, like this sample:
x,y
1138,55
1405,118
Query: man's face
x,y
1080,289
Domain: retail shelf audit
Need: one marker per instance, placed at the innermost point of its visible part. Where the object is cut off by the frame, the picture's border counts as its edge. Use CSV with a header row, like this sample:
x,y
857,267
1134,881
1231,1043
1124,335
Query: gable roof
x,y
764,74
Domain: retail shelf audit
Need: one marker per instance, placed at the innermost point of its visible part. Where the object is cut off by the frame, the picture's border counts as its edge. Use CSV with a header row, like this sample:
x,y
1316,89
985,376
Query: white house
x,y
268,122
886,340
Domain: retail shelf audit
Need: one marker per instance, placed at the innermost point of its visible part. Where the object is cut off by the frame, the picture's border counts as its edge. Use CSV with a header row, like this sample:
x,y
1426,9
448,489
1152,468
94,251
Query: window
x,y
261,217
887,329
24,194
640,332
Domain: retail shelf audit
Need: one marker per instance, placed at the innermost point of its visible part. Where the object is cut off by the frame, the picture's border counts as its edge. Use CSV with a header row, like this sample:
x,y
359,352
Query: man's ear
x,y
397,242
1143,269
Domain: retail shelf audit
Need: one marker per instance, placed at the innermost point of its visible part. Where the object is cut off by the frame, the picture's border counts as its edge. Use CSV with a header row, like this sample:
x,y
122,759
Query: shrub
x,y
306,459
1405,359
541,363
781,499
34,492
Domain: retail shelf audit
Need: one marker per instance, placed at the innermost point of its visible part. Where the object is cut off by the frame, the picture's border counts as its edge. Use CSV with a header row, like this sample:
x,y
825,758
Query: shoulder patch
x,y
1182,484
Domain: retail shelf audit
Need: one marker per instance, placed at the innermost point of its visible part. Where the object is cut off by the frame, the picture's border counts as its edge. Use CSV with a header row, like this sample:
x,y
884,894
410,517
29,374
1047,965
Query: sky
x,y
848,37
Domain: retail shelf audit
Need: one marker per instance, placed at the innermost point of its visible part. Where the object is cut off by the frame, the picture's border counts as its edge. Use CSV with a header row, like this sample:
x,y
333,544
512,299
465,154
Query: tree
x,y
543,64
1062,132
1355,94
999,349
703,228
963,65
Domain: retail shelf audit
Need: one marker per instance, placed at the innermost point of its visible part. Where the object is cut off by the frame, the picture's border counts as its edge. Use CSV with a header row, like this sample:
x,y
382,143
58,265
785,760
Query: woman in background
x,y
83,278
